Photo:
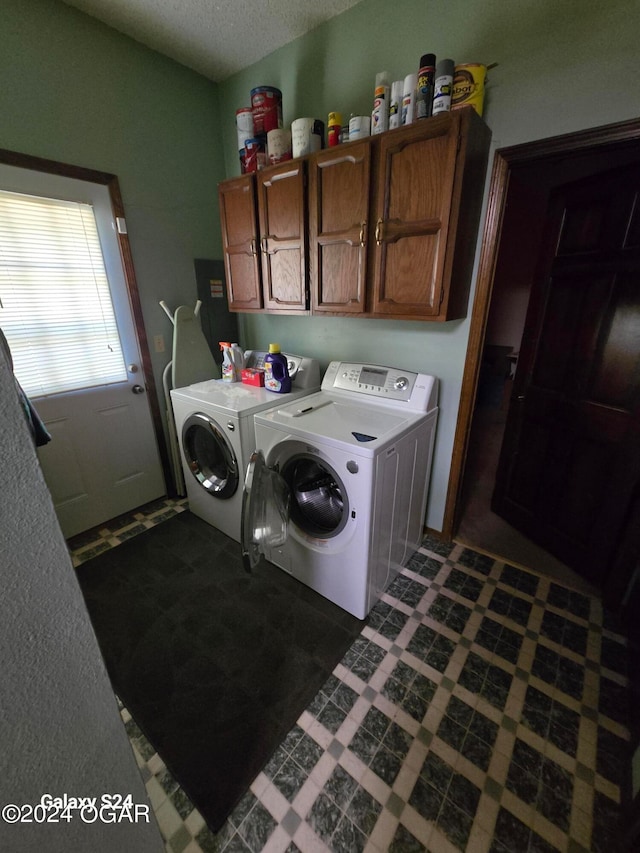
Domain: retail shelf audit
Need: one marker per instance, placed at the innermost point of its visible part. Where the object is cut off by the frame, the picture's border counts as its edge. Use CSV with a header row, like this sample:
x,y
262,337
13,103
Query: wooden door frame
x,y
505,161
38,164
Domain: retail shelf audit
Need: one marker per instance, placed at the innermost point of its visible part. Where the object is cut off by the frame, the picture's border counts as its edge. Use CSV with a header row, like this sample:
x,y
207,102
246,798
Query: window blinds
x,y
55,304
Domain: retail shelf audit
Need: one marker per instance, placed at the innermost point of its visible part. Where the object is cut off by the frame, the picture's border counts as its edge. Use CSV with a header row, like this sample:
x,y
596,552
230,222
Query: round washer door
x,y
319,501
265,511
209,456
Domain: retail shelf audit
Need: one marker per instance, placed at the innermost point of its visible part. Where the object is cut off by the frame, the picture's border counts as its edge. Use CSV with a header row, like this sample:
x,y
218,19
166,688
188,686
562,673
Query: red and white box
x,y
253,376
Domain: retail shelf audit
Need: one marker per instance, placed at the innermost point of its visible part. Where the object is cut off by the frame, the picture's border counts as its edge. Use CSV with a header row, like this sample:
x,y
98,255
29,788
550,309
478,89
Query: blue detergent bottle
x,y
276,373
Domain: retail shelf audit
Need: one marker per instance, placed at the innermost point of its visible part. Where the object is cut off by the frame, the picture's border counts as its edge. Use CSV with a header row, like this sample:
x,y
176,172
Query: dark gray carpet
x,y
214,665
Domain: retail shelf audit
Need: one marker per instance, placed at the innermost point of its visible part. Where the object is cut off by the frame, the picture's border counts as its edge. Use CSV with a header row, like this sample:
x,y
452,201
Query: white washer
x,y
214,425
337,493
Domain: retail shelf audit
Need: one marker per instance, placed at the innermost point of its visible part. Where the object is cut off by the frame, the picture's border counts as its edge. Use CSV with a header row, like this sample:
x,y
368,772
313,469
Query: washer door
x,y
209,456
265,511
319,502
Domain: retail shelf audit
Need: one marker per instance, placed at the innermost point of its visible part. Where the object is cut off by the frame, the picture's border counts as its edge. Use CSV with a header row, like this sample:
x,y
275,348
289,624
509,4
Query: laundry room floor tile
x,y
484,707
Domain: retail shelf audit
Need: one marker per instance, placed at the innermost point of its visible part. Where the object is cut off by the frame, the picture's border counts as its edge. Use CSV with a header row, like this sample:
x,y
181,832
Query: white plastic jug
x,y
228,368
237,356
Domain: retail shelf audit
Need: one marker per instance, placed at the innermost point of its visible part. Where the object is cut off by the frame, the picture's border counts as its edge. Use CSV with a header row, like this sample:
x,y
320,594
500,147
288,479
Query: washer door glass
x,y
209,456
265,511
319,503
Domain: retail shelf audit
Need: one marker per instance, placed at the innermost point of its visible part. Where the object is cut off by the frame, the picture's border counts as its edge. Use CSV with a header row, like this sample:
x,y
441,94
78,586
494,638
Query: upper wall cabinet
x,y
282,216
392,225
339,199
238,215
426,206
264,235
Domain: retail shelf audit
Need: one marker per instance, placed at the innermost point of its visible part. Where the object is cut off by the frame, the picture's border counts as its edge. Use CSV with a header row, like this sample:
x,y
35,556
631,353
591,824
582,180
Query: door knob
x,y
137,389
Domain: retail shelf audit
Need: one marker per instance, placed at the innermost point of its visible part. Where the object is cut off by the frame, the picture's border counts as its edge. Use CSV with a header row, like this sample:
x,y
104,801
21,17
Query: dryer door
x,y
265,510
209,456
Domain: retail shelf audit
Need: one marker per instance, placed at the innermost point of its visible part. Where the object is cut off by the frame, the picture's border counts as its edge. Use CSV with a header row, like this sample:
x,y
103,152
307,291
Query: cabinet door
x,y
415,184
238,218
283,228
339,180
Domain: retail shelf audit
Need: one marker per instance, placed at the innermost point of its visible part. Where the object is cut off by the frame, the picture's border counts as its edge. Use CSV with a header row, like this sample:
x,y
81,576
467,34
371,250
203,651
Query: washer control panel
x,y
386,382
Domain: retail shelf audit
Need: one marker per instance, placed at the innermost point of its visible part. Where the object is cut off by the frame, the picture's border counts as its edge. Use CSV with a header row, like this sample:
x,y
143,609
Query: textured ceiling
x,y
215,37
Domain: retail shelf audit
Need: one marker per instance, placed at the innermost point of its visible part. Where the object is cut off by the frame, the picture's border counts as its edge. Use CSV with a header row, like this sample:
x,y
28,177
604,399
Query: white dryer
x,y
336,495
215,429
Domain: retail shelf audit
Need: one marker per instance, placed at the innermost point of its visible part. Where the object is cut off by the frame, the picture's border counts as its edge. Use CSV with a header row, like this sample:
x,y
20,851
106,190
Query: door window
x,y
319,504
209,456
56,308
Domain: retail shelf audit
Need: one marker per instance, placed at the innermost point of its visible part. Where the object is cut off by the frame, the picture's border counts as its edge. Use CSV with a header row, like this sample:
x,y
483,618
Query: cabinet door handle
x,y
379,232
263,245
363,232
254,248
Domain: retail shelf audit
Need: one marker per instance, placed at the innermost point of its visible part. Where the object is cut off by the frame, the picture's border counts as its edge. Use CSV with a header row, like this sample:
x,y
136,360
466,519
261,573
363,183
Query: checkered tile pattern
x,y
483,708
87,545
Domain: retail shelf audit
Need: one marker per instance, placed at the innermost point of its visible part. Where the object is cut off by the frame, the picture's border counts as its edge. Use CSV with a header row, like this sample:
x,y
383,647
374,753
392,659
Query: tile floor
x,y
483,708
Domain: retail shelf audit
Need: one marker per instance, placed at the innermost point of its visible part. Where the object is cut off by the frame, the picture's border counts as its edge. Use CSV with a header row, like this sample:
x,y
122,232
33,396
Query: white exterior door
x,y
103,459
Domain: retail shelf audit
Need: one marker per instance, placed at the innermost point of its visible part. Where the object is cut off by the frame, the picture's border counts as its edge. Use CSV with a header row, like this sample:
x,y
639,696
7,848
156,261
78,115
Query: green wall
x,y
561,67
77,91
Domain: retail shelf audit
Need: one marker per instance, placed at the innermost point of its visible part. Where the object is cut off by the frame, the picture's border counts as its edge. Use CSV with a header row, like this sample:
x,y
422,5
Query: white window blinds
x,y
55,304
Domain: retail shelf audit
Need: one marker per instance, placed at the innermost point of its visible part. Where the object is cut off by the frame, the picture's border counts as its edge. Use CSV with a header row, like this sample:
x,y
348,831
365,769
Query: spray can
x,y
276,372
334,132
380,113
395,105
443,86
424,91
409,99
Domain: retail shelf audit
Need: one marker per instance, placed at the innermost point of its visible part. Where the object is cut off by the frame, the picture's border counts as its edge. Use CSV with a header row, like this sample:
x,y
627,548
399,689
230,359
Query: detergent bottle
x,y
228,370
276,372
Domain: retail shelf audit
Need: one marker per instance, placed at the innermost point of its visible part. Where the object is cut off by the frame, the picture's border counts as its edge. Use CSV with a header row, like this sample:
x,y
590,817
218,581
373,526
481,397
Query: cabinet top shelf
x,y
434,125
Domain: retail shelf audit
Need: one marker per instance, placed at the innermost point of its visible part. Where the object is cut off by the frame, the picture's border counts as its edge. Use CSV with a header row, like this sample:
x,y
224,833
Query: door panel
x,y
413,204
67,482
338,222
568,470
282,215
238,216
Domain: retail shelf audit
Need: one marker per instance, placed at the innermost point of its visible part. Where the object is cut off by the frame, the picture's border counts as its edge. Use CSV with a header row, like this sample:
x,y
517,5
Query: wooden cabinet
x,y
282,216
339,192
426,209
264,236
392,225
238,216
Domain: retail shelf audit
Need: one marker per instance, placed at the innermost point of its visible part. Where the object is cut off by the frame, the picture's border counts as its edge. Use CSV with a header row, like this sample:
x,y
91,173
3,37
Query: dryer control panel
x,y
387,383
